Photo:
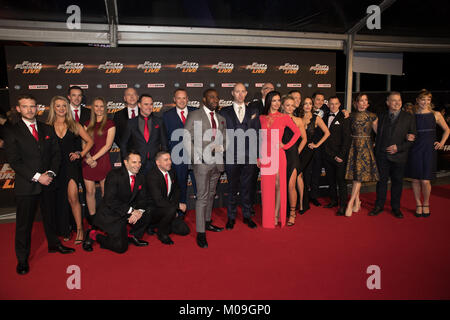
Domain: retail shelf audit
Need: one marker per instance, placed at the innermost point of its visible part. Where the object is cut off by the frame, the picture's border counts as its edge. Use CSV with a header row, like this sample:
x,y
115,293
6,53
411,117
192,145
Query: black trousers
x,y
26,211
117,240
166,222
388,169
240,180
336,179
317,164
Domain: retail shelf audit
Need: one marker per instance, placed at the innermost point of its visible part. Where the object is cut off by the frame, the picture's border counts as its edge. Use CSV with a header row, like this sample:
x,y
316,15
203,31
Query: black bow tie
x,y
333,114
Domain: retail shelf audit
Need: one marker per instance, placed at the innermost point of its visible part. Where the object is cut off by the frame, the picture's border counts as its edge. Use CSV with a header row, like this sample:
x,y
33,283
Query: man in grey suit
x,y
205,147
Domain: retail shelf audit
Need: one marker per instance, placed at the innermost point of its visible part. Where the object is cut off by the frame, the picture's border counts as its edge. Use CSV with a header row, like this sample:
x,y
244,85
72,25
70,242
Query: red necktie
x,y
183,118
133,178
77,118
35,133
167,182
146,132
213,124
133,115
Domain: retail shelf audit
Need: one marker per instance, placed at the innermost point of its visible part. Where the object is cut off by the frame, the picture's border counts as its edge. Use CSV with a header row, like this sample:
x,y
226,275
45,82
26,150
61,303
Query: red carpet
x,y
321,257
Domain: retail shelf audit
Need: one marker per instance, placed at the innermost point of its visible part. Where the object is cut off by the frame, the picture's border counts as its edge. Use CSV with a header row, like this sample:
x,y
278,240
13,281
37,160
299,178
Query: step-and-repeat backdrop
x,y
48,71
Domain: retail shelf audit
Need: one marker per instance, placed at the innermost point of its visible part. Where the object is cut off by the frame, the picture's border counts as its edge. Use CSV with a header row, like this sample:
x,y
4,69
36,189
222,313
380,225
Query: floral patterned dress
x,y
361,164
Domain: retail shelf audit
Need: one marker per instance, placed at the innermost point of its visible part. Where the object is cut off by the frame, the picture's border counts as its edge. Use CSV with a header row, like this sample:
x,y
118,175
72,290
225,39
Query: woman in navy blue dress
x,y
421,165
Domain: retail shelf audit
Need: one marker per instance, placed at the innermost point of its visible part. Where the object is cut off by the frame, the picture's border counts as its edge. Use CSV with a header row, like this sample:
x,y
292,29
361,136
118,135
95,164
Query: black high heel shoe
x,y
292,215
426,215
418,215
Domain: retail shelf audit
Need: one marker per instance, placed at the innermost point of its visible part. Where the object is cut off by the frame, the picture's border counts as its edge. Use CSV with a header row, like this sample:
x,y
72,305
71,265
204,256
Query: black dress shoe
x,y
249,222
376,211
23,268
88,241
61,249
201,240
332,204
211,227
165,239
315,202
138,243
397,213
230,224
341,211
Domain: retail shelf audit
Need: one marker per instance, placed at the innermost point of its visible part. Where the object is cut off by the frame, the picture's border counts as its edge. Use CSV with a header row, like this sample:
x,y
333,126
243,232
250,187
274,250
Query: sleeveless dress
x,y
307,154
103,163
422,155
273,161
292,159
361,164
68,170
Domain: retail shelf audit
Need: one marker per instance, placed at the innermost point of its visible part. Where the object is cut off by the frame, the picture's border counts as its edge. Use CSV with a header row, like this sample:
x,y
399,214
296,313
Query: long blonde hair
x,y
422,94
93,119
69,121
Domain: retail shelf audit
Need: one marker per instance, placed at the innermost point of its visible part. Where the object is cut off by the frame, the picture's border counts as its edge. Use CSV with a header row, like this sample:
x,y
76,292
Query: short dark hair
x,y
333,97
179,89
207,91
160,154
130,152
316,94
74,87
25,96
144,95
294,91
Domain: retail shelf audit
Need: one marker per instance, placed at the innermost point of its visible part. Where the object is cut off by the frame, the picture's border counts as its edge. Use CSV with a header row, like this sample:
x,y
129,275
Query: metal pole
x,y
388,83
349,71
358,82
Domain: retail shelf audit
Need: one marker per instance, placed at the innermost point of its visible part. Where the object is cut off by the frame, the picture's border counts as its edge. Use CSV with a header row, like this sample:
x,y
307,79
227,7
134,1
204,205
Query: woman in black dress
x,y
311,122
292,156
68,132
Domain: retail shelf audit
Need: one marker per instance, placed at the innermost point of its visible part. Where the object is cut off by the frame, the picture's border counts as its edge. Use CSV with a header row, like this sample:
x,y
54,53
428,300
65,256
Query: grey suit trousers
x,y
206,178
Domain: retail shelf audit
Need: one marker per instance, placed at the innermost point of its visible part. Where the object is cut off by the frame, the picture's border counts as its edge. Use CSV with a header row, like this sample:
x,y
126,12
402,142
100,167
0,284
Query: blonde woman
x,y
292,156
422,155
97,163
68,133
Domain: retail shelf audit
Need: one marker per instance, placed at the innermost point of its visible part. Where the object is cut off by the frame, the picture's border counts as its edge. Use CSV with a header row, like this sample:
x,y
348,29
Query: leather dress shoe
x,y
138,243
165,239
397,213
332,204
375,211
61,249
315,202
249,222
341,211
88,241
23,268
201,240
230,224
211,227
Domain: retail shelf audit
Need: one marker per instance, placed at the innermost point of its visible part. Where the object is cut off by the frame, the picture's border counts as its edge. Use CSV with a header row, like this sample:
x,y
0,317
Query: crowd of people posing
x,y
148,192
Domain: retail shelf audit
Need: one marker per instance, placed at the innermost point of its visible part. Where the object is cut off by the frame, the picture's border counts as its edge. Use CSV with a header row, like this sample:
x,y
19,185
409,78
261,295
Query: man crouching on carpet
x,y
123,203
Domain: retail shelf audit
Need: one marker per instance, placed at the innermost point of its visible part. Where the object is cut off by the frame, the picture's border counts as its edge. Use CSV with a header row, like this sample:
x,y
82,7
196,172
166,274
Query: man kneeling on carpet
x,y
163,192
123,204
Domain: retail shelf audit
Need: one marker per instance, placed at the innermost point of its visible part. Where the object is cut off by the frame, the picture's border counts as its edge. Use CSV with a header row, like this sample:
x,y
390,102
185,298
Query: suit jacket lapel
x,y
27,132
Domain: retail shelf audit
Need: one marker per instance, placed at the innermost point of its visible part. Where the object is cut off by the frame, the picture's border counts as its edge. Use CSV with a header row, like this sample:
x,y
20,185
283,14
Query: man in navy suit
x,y
244,120
145,134
174,119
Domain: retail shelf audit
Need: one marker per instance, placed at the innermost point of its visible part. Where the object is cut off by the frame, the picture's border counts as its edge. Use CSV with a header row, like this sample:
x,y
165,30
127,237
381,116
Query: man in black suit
x,y
124,203
79,113
395,135
335,154
145,134
297,95
164,199
130,111
33,152
240,165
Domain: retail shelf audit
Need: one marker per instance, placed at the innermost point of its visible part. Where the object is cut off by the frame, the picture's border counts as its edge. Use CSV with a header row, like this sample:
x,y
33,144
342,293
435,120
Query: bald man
x,y
240,165
131,110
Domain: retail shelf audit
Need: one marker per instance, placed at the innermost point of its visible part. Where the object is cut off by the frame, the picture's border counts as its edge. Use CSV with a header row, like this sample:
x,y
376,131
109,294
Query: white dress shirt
x,y
236,110
72,109
208,114
130,112
185,112
135,186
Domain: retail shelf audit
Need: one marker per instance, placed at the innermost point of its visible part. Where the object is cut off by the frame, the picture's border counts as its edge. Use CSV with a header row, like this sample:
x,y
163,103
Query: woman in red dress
x,y
272,160
97,163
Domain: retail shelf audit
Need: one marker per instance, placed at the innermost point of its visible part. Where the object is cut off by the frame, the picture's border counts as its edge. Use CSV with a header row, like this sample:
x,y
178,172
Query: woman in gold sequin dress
x,y
361,164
